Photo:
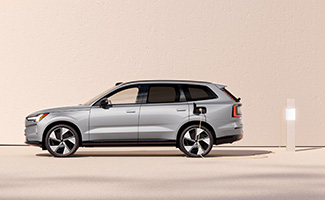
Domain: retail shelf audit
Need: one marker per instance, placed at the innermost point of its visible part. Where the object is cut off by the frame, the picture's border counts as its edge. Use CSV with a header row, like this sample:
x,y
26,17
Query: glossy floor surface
x,y
130,173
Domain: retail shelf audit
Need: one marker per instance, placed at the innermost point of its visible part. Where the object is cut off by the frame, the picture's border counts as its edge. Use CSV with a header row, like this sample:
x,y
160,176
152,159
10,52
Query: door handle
x,y
181,109
130,111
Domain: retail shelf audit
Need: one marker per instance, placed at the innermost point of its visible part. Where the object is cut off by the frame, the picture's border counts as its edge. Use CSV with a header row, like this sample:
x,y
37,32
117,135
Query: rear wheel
x,y
196,141
62,140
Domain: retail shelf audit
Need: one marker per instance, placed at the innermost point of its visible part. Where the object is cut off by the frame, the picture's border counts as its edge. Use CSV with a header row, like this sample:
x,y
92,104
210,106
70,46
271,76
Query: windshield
x,y
97,96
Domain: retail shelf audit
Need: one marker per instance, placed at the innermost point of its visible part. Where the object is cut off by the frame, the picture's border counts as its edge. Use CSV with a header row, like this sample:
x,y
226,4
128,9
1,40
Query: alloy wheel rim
x,y
62,140
196,141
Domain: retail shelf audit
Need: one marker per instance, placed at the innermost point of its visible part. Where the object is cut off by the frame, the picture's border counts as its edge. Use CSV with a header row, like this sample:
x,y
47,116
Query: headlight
x,y
37,118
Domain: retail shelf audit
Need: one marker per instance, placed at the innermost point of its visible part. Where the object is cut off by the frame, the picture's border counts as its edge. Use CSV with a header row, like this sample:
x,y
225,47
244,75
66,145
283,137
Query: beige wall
x,y
55,53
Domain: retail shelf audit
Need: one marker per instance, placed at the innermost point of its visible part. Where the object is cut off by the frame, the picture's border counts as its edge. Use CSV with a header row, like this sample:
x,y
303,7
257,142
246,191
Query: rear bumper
x,y
228,139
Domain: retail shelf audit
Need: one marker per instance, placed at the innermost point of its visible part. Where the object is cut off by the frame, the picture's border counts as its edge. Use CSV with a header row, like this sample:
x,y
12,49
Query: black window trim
x,y
179,92
187,93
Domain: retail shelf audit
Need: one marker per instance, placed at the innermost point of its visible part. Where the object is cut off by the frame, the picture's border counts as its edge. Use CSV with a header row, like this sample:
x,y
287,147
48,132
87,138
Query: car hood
x,y
61,109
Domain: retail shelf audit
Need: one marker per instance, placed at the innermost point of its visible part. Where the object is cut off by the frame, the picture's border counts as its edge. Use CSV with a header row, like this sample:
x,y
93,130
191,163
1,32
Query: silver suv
x,y
190,115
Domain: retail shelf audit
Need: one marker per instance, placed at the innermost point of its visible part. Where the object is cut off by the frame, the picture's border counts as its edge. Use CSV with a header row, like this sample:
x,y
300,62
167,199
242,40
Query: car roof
x,y
167,81
172,82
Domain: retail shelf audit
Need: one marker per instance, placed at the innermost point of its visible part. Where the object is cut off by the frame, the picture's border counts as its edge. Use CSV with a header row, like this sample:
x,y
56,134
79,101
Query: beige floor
x,y
162,173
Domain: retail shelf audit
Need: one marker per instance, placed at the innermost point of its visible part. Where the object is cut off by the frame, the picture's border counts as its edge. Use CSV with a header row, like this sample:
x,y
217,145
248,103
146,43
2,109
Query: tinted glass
x,y
163,94
196,92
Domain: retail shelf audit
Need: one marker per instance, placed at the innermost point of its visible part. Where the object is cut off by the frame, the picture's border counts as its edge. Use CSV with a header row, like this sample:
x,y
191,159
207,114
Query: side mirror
x,y
105,103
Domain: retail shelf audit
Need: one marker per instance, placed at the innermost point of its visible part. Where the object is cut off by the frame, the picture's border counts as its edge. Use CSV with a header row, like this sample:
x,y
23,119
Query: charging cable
x,y
198,137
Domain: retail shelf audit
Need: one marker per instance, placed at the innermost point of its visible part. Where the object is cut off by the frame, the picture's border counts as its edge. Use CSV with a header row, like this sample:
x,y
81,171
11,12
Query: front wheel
x,y
62,140
196,141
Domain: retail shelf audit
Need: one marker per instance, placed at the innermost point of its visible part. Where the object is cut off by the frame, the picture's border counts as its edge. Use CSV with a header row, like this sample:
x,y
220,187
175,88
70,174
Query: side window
x,y
163,94
126,96
198,92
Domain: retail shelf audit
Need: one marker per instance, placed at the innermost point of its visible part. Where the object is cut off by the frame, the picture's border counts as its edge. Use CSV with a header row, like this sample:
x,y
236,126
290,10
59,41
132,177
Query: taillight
x,y
236,110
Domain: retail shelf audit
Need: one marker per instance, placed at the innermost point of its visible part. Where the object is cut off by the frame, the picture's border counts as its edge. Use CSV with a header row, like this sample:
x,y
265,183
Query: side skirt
x,y
129,143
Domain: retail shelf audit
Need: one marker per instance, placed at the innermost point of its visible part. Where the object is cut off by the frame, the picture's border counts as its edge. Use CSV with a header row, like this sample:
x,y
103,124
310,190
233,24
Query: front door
x,y
119,122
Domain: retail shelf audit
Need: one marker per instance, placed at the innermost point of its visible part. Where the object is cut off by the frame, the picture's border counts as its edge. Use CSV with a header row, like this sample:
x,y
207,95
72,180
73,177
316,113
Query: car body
x,y
186,114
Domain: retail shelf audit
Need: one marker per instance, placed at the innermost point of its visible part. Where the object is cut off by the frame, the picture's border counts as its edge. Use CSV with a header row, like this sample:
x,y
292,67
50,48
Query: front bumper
x,y
34,143
32,135
34,130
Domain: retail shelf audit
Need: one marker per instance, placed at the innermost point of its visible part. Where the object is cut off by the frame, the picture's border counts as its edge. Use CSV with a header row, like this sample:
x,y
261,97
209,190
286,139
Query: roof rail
x,y
118,83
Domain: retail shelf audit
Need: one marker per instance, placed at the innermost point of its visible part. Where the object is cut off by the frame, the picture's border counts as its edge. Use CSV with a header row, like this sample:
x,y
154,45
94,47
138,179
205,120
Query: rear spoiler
x,y
223,88
220,86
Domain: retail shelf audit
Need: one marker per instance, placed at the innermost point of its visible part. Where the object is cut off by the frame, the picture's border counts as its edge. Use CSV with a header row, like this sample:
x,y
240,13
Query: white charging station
x,y
291,119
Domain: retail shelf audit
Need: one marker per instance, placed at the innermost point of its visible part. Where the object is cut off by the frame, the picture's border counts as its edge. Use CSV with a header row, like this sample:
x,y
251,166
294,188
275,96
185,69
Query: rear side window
x,y
163,94
198,92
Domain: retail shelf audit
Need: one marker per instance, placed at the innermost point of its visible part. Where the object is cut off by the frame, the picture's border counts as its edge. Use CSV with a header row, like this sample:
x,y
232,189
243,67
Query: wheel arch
x,y
75,127
187,124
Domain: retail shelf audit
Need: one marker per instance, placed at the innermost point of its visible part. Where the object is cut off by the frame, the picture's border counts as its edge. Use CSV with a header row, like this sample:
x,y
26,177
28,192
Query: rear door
x,y
163,112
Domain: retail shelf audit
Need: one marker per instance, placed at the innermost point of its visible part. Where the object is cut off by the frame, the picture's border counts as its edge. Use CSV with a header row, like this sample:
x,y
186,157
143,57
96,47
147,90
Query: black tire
x,y
62,140
196,142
